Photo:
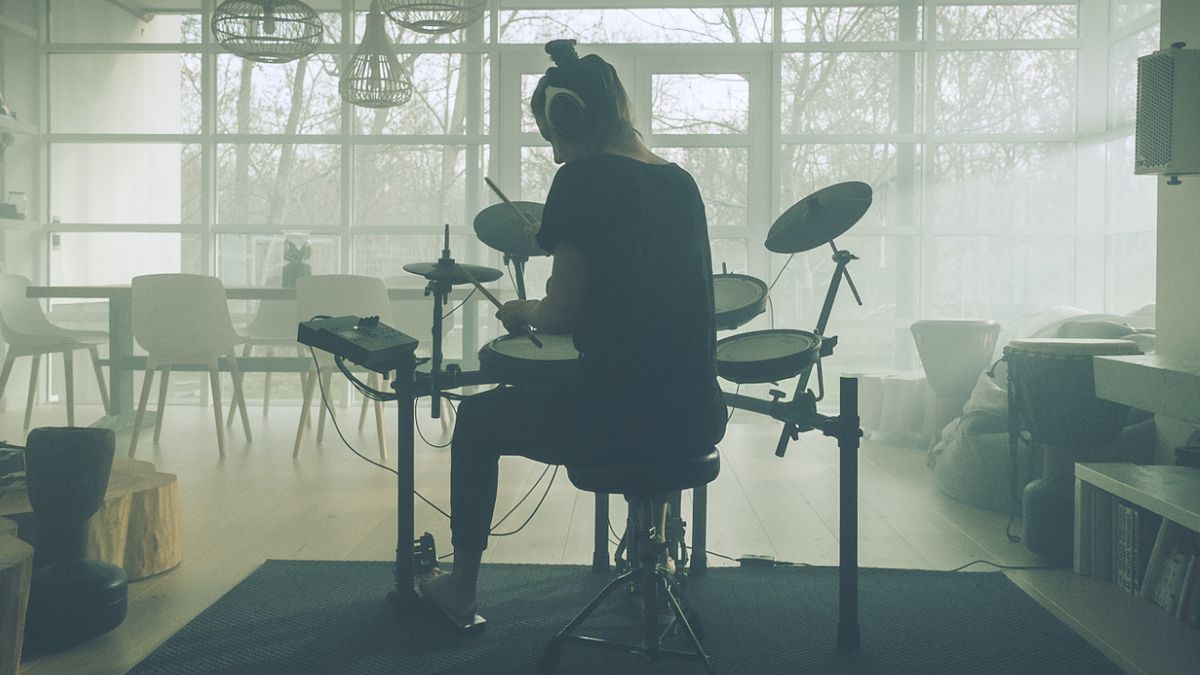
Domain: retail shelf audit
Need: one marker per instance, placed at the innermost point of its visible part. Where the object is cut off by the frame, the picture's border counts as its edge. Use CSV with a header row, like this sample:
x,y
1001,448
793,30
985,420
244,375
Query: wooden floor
x,y
258,503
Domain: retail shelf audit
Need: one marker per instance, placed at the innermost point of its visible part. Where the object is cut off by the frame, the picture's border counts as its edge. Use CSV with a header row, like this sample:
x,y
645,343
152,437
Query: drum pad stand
x,y
841,258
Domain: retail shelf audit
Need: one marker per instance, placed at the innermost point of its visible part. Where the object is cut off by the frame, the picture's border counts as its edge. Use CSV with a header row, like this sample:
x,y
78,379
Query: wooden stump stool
x,y
16,566
137,527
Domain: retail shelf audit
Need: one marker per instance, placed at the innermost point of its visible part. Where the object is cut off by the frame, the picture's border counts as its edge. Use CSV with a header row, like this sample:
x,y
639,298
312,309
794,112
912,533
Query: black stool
x,y
646,487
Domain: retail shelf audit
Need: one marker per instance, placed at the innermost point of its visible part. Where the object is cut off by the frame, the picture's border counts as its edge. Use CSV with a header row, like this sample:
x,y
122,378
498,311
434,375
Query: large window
x,y
975,122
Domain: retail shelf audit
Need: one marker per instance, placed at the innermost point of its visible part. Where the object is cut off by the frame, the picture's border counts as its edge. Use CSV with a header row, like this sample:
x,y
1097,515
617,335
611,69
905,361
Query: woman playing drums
x,y
632,278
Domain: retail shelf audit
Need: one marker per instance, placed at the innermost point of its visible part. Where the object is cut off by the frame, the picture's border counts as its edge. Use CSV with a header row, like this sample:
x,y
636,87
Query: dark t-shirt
x,y
646,332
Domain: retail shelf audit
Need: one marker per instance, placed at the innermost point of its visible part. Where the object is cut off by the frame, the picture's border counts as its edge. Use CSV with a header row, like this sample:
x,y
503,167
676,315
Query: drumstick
x,y
495,301
496,188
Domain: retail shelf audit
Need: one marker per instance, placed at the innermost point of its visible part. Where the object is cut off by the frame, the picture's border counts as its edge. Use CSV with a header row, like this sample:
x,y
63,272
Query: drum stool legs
x,y
654,583
647,484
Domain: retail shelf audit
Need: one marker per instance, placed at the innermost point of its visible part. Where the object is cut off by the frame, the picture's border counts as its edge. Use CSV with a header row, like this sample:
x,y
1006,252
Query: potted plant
x,y
295,259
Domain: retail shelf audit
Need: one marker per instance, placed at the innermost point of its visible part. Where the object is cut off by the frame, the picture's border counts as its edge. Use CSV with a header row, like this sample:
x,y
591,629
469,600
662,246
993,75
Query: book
x,y
1168,532
1147,525
1122,545
1167,588
1187,589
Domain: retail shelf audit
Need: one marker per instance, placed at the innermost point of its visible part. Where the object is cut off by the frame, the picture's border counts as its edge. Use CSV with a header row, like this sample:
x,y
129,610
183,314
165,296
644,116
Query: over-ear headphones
x,y
565,110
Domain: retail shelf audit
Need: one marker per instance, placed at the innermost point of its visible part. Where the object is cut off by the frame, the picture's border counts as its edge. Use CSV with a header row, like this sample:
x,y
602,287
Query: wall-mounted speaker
x,y
1168,113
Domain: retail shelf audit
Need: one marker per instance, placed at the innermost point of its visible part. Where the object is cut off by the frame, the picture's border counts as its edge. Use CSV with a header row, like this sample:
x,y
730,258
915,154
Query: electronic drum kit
x,y
754,357
761,356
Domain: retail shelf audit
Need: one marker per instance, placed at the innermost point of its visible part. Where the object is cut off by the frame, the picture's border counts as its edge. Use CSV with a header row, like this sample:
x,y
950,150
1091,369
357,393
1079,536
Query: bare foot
x,y
444,591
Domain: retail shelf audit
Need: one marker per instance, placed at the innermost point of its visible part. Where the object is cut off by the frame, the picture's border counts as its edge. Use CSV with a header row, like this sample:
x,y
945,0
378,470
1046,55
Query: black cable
x,y
771,309
338,429
459,306
781,269
733,409
362,387
1003,567
536,508
435,507
533,487
417,426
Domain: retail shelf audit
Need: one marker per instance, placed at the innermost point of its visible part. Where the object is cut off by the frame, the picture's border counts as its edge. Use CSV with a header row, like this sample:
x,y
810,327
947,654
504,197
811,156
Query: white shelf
x,y
1170,491
1163,385
16,126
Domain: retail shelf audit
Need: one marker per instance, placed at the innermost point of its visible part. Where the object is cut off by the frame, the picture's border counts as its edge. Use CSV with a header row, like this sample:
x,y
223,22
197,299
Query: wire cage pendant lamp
x,y
435,16
267,31
374,78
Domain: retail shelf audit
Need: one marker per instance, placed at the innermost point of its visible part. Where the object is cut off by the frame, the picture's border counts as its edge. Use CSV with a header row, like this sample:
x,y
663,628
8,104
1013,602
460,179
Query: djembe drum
x,y
953,353
1052,389
71,598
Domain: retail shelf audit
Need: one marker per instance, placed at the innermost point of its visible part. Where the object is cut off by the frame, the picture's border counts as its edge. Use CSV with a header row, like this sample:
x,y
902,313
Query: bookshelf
x,y
1172,492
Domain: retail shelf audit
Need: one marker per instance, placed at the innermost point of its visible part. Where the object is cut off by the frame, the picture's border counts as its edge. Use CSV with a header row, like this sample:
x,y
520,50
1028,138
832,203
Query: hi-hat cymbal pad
x,y
502,227
453,273
819,218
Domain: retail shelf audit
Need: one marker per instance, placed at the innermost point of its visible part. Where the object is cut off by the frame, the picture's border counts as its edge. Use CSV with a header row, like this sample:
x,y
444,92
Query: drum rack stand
x,y
800,415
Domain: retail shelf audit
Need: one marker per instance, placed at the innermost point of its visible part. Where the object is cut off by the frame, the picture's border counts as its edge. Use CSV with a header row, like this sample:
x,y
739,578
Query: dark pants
x,y
546,425
562,426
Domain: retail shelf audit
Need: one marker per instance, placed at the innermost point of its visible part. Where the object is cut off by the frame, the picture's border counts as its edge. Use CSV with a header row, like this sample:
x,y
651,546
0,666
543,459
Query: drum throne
x,y
646,487
1051,388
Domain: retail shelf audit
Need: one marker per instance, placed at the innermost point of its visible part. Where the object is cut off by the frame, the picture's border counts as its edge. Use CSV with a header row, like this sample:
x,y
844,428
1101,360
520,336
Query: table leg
x,y
120,348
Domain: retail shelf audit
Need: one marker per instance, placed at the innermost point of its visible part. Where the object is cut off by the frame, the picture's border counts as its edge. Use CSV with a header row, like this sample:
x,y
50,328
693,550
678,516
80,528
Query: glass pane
x,y
24,12
474,34
885,86
20,76
700,104
1130,272
537,172
1122,12
1004,187
385,255
258,98
1007,22
1122,74
125,93
274,185
1132,200
998,278
257,259
885,274
528,84
1006,91
723,177
440,103
646,25
730,255
847,24
415,185
100,258
136,183
894,202
103,22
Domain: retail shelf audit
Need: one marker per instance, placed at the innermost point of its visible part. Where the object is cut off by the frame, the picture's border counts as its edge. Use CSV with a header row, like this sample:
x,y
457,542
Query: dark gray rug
x,y
331,617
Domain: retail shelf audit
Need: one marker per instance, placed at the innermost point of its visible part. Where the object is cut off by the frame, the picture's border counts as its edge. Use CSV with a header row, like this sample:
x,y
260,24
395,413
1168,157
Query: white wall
x,y
1178,243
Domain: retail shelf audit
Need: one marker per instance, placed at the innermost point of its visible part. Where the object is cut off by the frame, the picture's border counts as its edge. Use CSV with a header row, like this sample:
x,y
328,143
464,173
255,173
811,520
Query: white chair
x,y
339,295
28,333
183,319
273,328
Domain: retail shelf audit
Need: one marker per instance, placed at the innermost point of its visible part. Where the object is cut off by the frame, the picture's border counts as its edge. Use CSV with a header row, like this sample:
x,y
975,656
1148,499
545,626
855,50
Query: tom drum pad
x,y
766,355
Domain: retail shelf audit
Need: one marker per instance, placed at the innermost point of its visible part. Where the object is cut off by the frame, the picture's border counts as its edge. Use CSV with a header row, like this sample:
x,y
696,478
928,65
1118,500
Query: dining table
x,y
123,362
